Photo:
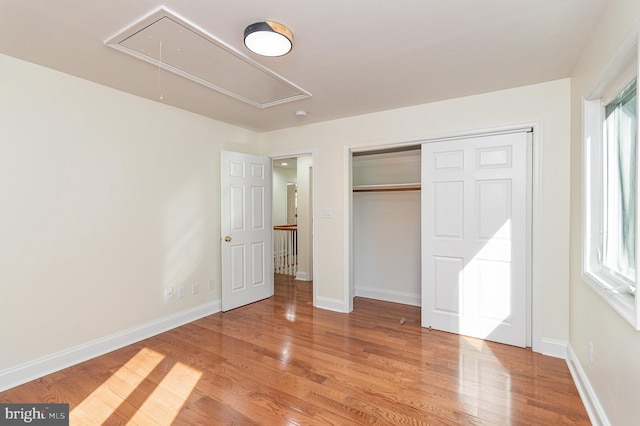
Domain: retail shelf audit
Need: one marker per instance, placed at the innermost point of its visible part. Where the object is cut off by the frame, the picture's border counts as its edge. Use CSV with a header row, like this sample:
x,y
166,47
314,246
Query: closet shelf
x,y
387,187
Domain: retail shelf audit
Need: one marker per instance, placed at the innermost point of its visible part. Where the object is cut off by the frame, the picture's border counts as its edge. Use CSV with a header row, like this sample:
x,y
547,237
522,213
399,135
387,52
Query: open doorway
x,y
293,217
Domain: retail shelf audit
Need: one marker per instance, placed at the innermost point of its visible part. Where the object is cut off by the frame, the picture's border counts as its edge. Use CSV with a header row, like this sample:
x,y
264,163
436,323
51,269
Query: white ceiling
x,y
353,56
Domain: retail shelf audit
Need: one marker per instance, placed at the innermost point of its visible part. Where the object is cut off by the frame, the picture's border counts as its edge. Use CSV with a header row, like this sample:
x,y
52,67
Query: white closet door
x,y
474,237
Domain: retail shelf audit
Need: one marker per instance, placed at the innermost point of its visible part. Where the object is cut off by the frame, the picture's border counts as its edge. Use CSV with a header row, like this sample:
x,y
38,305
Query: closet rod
x,y
387,188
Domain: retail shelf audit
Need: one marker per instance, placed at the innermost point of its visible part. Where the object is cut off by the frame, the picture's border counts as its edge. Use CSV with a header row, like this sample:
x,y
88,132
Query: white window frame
x,y
604,283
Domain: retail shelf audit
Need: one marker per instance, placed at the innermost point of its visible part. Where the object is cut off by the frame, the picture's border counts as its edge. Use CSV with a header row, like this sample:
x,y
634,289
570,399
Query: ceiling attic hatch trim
x,y
167,40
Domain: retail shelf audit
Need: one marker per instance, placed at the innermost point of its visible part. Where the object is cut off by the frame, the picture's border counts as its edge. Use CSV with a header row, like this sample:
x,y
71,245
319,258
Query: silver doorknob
x,y
227,238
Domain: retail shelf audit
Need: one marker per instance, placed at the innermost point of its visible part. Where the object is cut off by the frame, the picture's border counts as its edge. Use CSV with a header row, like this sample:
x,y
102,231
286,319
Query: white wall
x,y
106,199
386,245
546,103
281,176
614,376
305,219
387,168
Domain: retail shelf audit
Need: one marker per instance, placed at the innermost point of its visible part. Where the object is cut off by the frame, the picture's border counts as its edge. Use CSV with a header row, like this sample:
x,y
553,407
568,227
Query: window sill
x,y
622,303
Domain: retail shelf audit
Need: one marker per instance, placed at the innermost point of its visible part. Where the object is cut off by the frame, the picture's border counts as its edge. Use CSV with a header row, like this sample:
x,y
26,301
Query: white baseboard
x,y
550,347
302,276
336,305
389,296
50,364
596,412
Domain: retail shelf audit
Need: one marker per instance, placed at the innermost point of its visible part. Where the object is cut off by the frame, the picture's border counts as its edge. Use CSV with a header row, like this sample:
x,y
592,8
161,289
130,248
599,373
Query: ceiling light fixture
x,y
268,38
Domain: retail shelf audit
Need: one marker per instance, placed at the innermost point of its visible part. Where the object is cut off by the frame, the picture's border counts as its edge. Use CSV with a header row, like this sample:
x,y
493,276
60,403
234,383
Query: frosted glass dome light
x,y
268,38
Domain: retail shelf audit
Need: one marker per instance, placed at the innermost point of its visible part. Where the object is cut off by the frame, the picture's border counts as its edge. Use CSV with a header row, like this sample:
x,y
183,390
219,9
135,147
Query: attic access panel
x,y
170,42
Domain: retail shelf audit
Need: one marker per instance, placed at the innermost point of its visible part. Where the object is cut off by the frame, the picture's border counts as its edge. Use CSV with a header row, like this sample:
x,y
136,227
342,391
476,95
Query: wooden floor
x,y
281,362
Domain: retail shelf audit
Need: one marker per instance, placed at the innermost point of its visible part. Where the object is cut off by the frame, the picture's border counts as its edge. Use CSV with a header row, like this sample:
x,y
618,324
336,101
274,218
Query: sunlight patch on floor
x,y
105,400
160,407
168,398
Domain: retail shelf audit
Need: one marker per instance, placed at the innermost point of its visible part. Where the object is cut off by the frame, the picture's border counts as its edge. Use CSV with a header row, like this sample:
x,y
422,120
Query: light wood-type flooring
x,y
282,362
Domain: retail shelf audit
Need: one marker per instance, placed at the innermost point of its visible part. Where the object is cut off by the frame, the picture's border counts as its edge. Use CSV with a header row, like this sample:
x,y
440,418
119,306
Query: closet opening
x,y
386,224
413,206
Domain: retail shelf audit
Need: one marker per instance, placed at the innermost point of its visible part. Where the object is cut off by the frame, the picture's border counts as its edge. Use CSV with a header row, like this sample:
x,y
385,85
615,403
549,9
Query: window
x,y
611,198
619,198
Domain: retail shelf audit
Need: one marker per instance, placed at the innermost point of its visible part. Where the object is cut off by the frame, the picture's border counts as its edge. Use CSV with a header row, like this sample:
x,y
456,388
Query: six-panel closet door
x,y
474,236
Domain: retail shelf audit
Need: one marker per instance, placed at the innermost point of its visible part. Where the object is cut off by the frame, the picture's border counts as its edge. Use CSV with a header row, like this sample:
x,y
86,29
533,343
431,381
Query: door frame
x,y
305,153
534,181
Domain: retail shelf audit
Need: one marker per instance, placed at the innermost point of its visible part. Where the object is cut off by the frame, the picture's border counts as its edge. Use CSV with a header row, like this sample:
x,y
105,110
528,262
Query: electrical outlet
x,y
168,293
180,292
195,288
212,285
591,352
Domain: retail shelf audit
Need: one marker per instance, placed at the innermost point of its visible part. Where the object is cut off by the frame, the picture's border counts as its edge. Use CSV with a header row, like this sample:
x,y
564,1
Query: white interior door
x,y
474,237
247,249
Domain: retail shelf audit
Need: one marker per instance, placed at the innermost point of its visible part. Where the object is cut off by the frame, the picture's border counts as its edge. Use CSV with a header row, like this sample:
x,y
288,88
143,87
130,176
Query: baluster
x,y
285,250
295,251
277,253
280,259
289,253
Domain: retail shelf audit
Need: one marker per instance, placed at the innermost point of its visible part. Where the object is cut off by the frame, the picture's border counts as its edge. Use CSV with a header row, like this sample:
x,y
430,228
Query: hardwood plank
x,y
281,361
